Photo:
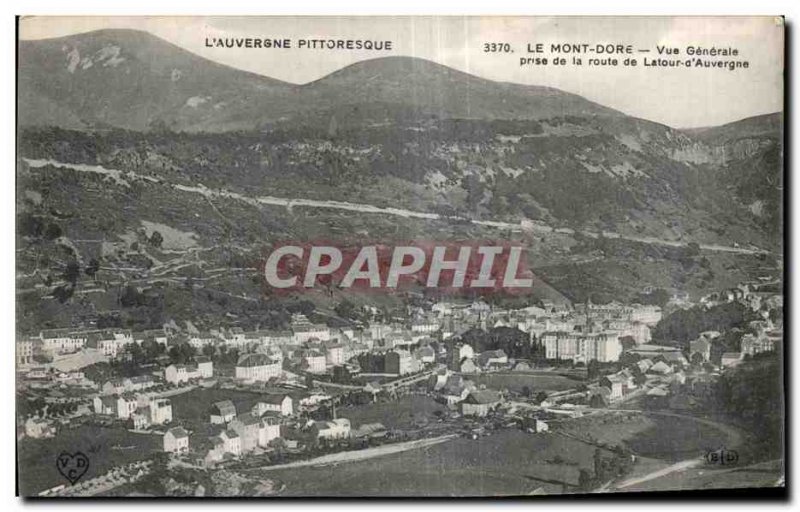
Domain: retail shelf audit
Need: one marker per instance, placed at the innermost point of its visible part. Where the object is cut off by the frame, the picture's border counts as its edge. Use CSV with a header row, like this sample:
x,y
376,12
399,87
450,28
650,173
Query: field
x,y
406,412
536,382
509,462
105,448
765,474
673,438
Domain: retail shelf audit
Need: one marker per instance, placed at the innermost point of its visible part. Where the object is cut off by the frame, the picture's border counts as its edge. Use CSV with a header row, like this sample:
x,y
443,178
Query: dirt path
x,y
120,178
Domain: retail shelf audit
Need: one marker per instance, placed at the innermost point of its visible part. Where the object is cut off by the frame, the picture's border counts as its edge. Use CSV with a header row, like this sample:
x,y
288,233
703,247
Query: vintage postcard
x,y
399,256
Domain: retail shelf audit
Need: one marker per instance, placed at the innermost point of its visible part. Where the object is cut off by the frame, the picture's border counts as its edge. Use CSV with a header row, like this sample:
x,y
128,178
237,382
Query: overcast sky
x,y
676,97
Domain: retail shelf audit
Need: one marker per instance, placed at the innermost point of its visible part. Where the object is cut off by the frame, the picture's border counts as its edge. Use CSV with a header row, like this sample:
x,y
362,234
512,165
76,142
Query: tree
x,y
156,239
72,272
92,267
208,350
52,231
345,309
585,480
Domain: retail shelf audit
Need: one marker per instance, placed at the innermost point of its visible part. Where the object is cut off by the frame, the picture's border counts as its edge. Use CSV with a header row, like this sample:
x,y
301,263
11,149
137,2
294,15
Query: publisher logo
x,y
485,267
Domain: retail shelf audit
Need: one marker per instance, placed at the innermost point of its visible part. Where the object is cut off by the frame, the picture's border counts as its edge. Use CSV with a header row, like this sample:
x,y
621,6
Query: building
x,y
281,404
126,405
334,353
205,367
106,405
303,330
258,367
109,342
618,384
62,341
176,440
222,412
24,352
334,429
141,418
247,426
753,344
160,411
492,358
398,362
270,429
314,362
180,373
231,442
603,347
39,428
426,355
480,403
731,359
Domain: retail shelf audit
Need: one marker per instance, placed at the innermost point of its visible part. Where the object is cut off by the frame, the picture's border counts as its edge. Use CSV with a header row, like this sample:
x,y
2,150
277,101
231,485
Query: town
x,y
188,400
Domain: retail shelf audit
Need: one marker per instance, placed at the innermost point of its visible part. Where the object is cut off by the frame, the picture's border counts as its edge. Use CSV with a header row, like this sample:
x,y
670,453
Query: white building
x,y
281,404
176,440
314,362
126,405
569,346
334,429
258,367
160,411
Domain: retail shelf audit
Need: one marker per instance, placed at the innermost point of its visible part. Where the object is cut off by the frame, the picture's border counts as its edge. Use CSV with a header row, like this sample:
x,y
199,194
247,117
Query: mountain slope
x,y
134,80
128,79
750,153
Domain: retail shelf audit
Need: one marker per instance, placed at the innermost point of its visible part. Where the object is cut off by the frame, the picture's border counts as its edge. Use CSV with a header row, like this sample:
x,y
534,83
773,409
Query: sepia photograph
x,y
399,256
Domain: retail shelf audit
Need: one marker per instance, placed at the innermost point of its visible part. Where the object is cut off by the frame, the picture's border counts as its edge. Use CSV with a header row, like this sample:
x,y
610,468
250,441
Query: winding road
x,y
123,178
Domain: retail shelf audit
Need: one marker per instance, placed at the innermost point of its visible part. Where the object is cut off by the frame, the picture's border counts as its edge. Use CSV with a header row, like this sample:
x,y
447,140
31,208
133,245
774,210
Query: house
x,y
660,368
141,382
480,403
399,362
334,353
426,355
314,362
222,412
468,366
334,429
232,443
115,387
492,358
39,428
731,359
258,367
106,405
247,427
180,373
617,384
456,389
176,440
269,429
126,405
24,352
644,365
205,367
141,418
371,430
276,403
160,411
